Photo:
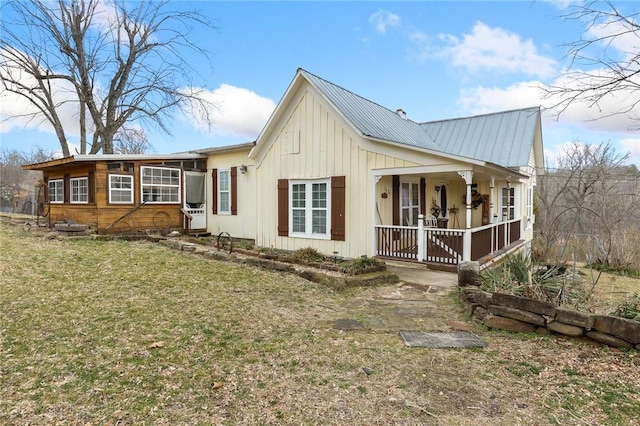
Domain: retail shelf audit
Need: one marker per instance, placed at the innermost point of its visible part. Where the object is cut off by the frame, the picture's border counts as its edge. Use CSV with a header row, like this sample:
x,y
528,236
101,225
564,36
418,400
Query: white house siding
x,y
314,142
242,225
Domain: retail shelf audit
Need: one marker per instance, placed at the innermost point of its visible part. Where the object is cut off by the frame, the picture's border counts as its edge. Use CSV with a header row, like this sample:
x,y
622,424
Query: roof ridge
x,y
354,94
481,115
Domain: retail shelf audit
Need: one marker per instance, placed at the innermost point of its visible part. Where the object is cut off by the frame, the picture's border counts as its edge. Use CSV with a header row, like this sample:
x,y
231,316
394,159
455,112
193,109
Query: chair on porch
x,y
430,221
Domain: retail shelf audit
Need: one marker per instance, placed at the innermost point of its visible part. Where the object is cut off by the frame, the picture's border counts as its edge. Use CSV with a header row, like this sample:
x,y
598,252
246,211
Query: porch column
x,y
467,175
373,245
421,244
491,198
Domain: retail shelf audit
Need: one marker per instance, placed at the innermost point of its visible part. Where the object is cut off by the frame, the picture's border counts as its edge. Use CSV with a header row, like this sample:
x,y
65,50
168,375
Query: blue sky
x,y
433,59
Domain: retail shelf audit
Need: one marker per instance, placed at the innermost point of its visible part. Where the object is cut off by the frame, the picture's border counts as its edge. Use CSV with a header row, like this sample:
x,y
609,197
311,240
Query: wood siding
x,y
313,142
102,216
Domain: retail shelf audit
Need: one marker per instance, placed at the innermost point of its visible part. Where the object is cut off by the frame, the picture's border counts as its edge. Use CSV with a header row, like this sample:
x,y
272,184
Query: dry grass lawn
x,y
124,333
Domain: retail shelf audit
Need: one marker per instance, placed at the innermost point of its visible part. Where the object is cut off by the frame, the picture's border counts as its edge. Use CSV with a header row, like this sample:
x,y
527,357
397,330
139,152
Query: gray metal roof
x,y
502,138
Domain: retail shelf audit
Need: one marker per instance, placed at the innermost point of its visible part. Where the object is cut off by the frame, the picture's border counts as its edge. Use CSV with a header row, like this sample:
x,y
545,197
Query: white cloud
x,y
382,20
496,50
632,146
239,112
16,111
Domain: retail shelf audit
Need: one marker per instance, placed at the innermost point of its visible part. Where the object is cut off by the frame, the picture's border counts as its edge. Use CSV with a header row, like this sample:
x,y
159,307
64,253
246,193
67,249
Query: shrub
x,y
308,254
361,265
629,308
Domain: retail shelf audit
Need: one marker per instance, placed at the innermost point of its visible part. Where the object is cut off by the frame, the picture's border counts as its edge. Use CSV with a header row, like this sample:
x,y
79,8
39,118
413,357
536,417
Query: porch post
x,y
373,245
491,198
467,175
421,245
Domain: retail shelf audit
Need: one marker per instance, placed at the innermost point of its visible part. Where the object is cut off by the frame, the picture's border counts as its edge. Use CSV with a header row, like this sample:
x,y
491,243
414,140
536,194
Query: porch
x,y
445,248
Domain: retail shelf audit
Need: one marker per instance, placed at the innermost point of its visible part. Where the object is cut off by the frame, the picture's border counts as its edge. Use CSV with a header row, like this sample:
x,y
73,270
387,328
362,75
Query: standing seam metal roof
x,y
502,138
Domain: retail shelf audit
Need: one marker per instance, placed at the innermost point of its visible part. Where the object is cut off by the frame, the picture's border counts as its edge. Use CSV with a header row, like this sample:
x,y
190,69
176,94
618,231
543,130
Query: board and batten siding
x,y
243,223
315,143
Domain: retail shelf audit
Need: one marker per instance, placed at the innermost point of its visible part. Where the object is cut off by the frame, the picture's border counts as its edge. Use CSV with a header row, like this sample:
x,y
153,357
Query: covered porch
x,y
443,217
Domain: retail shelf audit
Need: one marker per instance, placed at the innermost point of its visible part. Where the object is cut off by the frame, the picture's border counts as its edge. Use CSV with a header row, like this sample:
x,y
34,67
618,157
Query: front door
x,y
409,203
194,199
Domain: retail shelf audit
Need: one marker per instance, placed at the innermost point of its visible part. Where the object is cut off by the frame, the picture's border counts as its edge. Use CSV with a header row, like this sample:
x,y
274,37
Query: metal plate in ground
x,y
419,339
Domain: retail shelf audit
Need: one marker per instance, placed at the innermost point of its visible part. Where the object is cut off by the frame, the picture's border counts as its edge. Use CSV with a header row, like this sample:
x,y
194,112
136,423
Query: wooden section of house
x,y
93,205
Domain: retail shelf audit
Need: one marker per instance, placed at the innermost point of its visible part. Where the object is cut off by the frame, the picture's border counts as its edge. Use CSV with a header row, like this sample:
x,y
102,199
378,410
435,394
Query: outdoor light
x,y
243,169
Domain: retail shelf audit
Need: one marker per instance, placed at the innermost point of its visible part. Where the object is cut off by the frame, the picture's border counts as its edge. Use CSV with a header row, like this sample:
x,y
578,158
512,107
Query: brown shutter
x,y
91,182
423,195
338,199
283,207
67,189
395,183
234,192
214,186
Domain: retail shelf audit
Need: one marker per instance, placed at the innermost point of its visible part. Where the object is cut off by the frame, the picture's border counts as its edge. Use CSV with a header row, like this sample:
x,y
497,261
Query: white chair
x,y
430,221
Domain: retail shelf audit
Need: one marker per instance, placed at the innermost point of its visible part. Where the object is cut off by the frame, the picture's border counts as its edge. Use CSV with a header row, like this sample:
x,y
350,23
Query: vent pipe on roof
x,y
401,113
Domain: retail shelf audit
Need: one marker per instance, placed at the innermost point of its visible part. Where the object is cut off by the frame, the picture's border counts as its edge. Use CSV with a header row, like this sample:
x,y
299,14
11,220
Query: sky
x,y
435,60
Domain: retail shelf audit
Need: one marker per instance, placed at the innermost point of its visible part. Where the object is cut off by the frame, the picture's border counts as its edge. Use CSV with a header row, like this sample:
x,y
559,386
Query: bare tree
x,y
585,205
610,47
111,62
16,183
131,141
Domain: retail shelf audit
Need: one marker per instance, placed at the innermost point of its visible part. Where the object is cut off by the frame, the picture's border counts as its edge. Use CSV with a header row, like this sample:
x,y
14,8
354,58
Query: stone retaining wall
x,y
329,278
524,315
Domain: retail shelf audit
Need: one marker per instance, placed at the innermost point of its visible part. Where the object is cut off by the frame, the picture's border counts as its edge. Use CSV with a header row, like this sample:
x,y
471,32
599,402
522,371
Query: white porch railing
x,y
444,246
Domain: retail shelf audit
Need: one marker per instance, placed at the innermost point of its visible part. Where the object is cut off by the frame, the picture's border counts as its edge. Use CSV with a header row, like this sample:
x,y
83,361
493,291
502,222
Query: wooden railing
x,y
397,242
444,246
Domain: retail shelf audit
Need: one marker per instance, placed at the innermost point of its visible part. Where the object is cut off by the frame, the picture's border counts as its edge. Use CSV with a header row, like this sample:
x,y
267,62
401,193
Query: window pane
x,y
224,180
298,217
414,194
319,193
298,196
319,222
405,194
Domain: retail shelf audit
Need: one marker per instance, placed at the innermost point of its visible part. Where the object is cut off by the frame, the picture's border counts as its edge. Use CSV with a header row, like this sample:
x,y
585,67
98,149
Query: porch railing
x,y
444,246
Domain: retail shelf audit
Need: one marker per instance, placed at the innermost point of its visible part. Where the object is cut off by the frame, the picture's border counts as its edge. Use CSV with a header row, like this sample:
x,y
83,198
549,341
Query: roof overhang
x,y
93,158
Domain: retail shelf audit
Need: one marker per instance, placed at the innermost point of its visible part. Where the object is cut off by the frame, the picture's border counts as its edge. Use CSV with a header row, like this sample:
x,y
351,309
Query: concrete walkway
x,y
419,274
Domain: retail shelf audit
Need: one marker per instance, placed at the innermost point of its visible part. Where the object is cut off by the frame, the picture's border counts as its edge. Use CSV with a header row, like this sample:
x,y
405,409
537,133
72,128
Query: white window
x,y
224,191
121,189
160,185
309,208
409,203
56,191
80,190
507,203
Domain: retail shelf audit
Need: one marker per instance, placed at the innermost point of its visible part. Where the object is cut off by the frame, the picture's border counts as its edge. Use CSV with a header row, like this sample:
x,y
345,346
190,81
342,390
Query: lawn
x,y
124,333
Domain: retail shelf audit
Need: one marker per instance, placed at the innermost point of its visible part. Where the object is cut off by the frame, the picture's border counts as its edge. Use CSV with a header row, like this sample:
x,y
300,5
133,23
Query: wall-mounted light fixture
x,y
243,169
437,188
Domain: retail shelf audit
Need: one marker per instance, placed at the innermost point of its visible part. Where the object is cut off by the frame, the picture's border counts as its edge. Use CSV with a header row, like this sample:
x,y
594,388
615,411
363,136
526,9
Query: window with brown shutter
x,y
283,207
214,195
338,207
234,192
395,191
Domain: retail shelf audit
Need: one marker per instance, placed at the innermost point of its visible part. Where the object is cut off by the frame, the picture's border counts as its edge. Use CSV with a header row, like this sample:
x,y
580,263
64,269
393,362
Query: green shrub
x,y
629,308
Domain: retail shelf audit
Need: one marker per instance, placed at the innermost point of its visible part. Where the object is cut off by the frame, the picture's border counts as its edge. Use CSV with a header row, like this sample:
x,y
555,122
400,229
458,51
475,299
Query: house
x,y
125,193
335,172
348,177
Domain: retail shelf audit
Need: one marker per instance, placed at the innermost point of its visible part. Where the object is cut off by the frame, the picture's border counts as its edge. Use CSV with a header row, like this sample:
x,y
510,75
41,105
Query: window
x,y
80,190
56,191
410,203
121,189
224,191
310,210
508,203
160,185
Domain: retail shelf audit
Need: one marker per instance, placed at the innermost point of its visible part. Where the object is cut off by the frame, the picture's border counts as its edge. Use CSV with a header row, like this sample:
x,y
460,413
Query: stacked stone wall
x,y
525,315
